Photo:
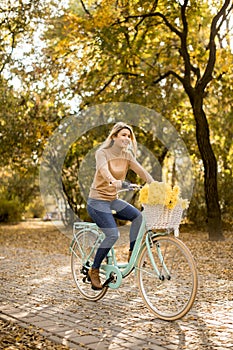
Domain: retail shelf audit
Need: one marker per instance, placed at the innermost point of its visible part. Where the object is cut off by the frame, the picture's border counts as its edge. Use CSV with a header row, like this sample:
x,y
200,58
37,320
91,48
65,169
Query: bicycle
x,y
165,269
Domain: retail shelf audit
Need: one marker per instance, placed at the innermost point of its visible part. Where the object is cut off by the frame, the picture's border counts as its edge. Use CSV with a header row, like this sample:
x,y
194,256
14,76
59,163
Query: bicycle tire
x,y
170,295
81,248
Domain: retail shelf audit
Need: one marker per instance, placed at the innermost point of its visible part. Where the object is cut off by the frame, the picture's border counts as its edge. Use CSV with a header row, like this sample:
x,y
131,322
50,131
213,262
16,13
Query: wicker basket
x,y
160,217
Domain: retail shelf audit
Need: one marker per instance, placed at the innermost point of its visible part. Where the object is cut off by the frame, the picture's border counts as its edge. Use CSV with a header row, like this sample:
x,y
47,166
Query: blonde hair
x,y
114,132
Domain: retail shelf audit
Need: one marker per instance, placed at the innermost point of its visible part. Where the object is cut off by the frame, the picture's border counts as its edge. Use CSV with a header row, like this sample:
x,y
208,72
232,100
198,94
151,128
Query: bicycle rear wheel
x,y
170,292
83,251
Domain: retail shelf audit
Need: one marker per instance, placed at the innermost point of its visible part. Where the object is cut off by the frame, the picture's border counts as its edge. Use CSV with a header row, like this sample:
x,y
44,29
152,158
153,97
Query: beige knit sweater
x,y
113,165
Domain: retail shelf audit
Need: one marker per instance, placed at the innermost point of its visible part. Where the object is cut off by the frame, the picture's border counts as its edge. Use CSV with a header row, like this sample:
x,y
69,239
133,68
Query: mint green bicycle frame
x,y
168,289
120,270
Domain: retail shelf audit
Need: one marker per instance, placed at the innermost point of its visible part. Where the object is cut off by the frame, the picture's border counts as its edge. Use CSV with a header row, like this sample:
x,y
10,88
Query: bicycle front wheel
x,y
168,278
83,251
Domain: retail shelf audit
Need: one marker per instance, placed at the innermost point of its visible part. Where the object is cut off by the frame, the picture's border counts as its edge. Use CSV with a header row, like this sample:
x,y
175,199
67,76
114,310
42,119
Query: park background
x,y
59,58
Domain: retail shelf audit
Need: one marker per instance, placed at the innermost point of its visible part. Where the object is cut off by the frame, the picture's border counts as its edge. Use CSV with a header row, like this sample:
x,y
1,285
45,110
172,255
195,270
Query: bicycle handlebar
x,y
126,187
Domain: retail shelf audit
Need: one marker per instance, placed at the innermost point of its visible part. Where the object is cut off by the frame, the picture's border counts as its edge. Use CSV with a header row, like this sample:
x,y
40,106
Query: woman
x,y
113,159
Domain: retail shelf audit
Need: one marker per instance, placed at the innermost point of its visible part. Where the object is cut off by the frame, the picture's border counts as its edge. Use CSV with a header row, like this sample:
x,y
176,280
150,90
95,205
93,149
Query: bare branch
x,y
184,51
183,16
141,20
207,76
85,9
113,77
167,74
152,14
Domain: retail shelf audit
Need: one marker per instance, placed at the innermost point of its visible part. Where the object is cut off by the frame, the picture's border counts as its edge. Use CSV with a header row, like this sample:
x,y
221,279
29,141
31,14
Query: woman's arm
x,y
140,171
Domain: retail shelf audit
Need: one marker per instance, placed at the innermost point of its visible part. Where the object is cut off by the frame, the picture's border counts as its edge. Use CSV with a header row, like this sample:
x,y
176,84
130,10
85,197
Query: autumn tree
x,y
171,56
158,47
28,113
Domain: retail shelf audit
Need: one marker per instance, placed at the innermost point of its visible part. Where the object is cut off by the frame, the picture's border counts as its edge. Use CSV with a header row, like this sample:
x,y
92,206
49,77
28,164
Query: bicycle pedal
x,y
109,280
86,279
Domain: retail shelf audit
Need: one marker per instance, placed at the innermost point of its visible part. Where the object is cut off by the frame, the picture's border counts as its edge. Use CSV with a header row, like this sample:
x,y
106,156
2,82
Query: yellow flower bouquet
x,y
163,206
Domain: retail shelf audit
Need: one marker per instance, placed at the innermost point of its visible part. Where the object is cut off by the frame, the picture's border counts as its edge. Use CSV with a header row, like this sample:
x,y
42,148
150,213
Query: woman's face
x,y
123,138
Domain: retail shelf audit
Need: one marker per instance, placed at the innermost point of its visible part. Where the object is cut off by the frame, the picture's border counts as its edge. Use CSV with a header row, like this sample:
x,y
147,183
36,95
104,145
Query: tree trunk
x,y
214,222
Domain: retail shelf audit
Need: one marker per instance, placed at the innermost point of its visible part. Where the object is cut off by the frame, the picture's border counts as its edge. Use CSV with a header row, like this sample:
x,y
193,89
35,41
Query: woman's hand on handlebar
x,y
127,186
122,186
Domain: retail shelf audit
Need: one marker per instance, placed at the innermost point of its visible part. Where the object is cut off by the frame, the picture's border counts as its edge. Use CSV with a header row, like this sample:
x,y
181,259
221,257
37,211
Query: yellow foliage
x,y
105,15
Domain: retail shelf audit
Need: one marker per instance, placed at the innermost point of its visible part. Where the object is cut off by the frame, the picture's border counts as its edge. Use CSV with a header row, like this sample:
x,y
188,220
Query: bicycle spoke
x,y
82,254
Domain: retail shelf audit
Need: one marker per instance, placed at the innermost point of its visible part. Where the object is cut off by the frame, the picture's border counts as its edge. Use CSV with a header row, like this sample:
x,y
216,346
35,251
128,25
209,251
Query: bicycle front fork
x,y
150,242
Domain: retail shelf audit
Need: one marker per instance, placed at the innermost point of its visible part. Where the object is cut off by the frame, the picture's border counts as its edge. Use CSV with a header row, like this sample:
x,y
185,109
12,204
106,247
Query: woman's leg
x,y
101,214
126,211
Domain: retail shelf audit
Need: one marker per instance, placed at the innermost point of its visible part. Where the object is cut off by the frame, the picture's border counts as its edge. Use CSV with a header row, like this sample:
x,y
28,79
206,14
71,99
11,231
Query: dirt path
x,y
38,293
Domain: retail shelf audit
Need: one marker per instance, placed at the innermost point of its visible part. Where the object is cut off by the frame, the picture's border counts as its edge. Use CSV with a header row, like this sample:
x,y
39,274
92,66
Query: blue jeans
x,y
101,213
